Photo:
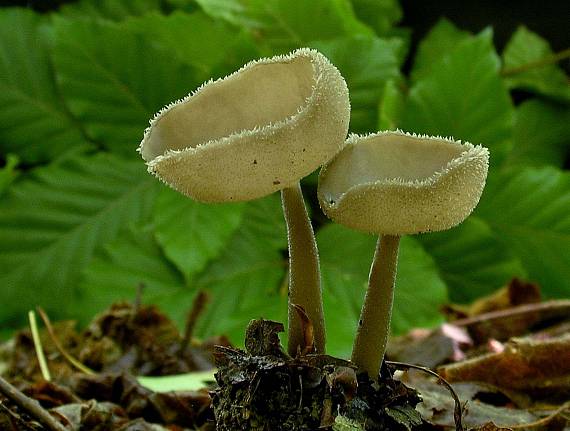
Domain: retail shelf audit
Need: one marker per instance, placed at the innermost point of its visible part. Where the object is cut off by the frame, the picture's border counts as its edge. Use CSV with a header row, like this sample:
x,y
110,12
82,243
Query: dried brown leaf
x,y
490,426
538,367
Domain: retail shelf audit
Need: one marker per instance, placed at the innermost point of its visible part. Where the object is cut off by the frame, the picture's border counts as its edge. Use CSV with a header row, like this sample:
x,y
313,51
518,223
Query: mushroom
x,y
259,130
392,184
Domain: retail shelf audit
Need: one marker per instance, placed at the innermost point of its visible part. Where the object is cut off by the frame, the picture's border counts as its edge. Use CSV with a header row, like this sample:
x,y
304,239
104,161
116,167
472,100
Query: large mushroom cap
x,y
395,183
253,132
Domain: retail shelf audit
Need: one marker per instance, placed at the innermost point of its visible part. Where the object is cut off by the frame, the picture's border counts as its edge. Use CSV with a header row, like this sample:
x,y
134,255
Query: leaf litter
x,y
507,357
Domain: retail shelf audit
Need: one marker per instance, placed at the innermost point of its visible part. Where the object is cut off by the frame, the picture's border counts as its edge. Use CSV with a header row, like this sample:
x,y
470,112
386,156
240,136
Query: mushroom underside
x,y
388,158
394,183
254,97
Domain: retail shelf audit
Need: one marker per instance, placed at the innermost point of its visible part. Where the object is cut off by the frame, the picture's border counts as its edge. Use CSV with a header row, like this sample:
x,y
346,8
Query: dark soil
x,y
263,389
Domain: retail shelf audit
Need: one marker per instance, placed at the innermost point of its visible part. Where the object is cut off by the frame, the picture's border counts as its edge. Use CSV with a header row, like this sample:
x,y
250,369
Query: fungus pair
x,y
274,121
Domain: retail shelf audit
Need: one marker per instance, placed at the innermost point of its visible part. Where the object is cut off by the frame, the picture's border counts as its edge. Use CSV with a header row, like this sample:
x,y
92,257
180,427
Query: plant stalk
x,y
304,272
374,324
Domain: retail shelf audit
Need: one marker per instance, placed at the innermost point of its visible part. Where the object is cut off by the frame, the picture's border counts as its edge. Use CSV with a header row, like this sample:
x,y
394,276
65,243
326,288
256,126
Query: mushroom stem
x,y
304,273
374,324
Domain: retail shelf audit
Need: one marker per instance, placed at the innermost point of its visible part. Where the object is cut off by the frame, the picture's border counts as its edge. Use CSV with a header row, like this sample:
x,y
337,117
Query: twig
x,y
83,368
15,418
458,410
559,412
548,309
32,407
198,306
551,59
38,346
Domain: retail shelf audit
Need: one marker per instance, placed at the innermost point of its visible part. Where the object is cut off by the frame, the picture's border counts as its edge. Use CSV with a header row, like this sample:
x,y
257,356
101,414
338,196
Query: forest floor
x,y
501,363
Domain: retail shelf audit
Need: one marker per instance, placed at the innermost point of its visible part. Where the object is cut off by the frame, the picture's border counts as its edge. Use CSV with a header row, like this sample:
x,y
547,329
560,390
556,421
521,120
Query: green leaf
x,y
287,24
366,63
120,266
528,211
345,261
192,233
463,96
246,280
34,123
439,42
420,291
180,382
542,134
527,65
5,335
222,52
471,259
184,5
381,15
52,223
116,10
114,80
391,106
8,173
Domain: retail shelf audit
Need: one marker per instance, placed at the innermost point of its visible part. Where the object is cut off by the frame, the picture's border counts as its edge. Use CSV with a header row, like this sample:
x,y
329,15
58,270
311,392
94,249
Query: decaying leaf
x,y
490,426
186,408
537,367
430,348
437,406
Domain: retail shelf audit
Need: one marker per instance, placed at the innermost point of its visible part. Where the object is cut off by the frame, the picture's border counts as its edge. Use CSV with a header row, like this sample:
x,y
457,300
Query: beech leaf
x,y
528,65
192,233
53,221
463,96
34,123
528,210
114,80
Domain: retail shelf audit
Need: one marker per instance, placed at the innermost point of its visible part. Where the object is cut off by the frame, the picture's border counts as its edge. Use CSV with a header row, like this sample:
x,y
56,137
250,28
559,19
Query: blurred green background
x,y
82,224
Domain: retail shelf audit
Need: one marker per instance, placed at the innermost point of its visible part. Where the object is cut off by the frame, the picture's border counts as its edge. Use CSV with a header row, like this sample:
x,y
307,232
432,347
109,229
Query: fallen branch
x,y
15,419
198,306
30,406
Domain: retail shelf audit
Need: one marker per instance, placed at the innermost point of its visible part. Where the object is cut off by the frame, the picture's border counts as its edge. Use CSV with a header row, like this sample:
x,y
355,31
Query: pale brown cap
x,y
395,183
256,131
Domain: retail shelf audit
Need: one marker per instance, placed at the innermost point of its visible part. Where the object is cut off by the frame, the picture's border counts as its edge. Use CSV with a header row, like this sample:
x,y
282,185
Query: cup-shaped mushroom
x,y
394,183
256,131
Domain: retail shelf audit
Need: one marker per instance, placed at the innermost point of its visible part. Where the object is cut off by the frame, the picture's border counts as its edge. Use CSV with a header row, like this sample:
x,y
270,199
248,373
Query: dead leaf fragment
x,y
529,365
437,406
490,426
430,348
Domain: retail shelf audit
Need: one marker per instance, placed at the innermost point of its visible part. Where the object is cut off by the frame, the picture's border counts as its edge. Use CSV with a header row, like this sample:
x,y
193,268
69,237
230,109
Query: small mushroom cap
x,y
254,132
395,183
